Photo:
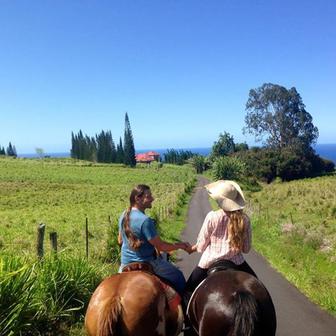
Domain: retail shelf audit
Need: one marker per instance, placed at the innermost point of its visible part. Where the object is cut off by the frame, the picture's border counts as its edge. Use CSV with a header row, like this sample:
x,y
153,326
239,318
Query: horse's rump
x,y
131,303
232,303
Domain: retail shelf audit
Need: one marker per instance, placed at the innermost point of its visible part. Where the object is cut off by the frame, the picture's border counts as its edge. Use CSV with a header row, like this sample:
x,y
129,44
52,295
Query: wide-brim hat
x,y
227,194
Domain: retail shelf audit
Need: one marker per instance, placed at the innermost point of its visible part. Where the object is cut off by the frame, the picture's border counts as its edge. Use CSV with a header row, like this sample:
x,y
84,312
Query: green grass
x,y
63,193
45,297
294,227
49,297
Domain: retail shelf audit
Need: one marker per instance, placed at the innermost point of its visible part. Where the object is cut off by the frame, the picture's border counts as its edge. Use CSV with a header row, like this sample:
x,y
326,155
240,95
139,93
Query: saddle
x,y
173,298
221,265
138,266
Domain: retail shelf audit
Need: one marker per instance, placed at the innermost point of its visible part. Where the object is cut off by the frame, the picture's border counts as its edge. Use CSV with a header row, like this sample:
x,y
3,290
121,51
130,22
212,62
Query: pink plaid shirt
x,y
213,239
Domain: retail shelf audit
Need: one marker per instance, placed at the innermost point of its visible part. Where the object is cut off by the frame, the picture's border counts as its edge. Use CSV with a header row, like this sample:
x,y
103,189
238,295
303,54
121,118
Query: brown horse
x,y
132,304
232,303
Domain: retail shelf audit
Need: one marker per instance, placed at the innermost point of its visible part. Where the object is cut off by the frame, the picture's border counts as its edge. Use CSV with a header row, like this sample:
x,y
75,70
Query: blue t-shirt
x,y
144,228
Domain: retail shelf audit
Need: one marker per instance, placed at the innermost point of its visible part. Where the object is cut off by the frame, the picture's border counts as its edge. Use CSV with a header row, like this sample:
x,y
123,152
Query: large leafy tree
x,y
129,150
223,146
279,115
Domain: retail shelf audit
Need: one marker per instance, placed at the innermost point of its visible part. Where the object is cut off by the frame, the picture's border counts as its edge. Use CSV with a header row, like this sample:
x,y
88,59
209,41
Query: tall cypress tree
x,y
11,151
120,152
129,150
113,153
106,151
2,151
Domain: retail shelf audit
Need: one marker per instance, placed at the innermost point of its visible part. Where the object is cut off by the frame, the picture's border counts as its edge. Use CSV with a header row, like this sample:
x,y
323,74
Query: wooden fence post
x,y
87,237
291,217
53,241
40,238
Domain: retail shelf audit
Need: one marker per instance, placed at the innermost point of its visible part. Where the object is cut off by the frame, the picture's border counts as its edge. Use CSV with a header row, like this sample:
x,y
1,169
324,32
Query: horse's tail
x,y
245,313
109,319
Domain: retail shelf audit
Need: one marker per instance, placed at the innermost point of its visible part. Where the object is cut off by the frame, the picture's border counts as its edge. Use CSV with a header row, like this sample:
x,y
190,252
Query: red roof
x,y
153,153
146,157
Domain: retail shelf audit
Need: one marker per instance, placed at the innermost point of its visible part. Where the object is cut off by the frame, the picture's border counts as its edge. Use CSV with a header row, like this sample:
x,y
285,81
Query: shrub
x,y
200,163
42,297
260,163
229,168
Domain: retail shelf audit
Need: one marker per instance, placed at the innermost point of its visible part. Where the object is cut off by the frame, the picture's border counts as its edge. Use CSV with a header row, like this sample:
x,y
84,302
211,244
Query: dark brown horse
x,y
232,303
132,304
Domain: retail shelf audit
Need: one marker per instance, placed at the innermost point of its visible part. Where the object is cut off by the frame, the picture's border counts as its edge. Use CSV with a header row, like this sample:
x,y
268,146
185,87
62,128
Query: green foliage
x,y
267,164
223,146
106,151
178,157
11,150
228,168
62,193
17,285
241,147
41,298
261,163
294,228
2,151
46,297
129,150
120,152
83,147
280,115
200,163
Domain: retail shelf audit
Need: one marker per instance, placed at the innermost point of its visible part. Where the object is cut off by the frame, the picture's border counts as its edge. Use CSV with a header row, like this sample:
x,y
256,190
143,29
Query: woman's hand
x,y
191,249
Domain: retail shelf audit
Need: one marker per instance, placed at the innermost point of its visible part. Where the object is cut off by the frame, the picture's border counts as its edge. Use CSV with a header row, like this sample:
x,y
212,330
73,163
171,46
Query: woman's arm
x,y
204,235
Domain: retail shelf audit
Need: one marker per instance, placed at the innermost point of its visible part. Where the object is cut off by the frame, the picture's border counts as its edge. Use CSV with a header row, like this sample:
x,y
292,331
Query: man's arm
x,y
119,238
164,246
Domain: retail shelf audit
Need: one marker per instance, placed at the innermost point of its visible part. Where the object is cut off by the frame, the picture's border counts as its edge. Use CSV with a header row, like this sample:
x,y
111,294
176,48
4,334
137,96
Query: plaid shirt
x,y
213,239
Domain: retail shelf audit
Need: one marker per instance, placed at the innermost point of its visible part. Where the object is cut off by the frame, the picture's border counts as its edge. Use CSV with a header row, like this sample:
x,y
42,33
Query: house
x,y
147,157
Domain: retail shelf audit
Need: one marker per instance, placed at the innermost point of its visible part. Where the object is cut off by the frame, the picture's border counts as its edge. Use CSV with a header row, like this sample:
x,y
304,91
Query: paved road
x,y
296,315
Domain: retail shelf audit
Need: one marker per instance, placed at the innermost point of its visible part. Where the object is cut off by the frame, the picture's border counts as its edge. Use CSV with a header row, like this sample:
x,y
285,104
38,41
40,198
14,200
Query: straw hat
x,y
228,195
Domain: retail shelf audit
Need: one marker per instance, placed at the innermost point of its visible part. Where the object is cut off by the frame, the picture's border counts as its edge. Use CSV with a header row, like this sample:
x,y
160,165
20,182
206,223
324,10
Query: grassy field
x,y
63,193
49,297
294,227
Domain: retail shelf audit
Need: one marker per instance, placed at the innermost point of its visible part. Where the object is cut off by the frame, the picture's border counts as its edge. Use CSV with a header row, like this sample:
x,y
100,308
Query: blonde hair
x,y
236,230
133,240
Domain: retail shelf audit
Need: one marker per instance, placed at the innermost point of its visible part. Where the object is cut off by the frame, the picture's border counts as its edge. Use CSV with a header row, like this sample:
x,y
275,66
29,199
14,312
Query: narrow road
x,y
296,315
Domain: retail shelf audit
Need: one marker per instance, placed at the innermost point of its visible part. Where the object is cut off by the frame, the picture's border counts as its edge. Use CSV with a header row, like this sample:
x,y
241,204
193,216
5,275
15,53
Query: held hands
x,y
186,247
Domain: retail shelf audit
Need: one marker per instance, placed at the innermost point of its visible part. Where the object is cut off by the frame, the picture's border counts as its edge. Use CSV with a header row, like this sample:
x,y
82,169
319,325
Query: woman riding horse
x,y
225,233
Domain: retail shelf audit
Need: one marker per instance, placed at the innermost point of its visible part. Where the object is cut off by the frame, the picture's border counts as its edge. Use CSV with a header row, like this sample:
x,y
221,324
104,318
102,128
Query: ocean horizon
x,y
327,151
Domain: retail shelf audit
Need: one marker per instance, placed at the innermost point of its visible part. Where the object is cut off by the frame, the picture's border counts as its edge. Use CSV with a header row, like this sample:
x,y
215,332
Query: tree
x,y
120,152
200,163
106,151
224,146
39,152
129,150
280,115
2,151
11,150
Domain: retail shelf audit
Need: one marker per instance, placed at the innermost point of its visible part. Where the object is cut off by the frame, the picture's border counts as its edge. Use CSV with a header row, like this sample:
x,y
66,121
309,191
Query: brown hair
x,y
236,230
133,240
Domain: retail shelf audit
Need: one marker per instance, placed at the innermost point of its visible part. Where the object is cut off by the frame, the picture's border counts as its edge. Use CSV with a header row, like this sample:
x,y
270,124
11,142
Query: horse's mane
x,y
109,319
245,307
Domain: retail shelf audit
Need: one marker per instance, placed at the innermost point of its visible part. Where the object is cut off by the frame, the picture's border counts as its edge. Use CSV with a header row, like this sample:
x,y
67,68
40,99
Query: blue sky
x,y
182,69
